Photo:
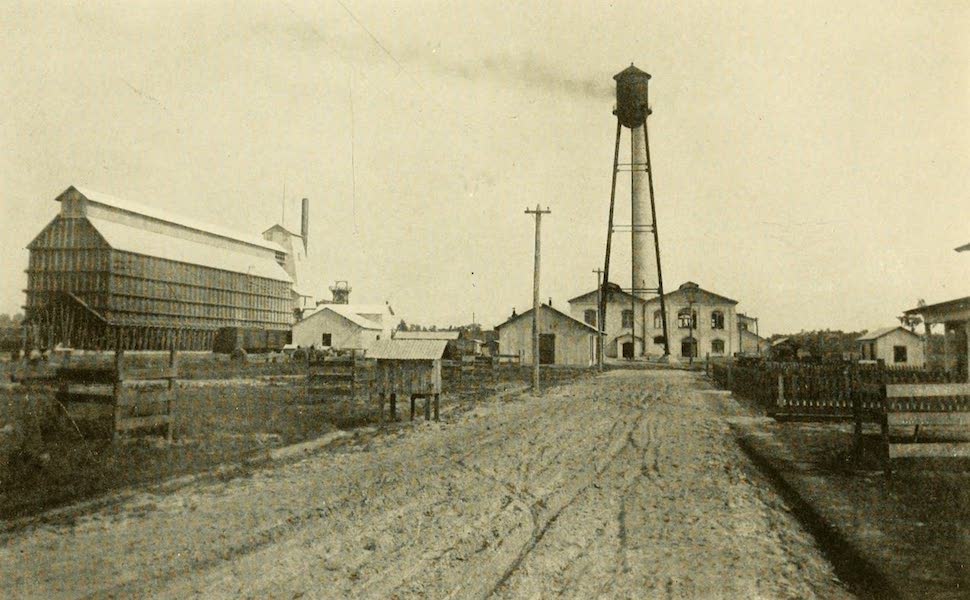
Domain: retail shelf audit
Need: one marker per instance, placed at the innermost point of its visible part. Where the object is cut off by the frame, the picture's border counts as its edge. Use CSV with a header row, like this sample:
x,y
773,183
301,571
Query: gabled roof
x,y
556,312
280,227
395,349
128,238
878,333
680,291
354,316
426,335
611,288
168,217
360,309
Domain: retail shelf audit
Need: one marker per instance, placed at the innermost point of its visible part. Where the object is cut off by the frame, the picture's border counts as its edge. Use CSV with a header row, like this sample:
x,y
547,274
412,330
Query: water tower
x,y
632,110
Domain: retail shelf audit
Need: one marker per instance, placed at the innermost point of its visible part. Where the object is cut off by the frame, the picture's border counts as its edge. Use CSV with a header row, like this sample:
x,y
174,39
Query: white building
x,y
894,346
296,263
563,340
620,341
344,326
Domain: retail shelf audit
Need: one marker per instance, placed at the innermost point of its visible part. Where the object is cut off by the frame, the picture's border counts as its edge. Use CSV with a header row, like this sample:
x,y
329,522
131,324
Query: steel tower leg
x,y
609,241
656,242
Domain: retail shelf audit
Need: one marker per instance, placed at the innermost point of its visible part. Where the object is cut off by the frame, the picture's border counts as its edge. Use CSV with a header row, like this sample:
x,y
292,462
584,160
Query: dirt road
x,y
627,485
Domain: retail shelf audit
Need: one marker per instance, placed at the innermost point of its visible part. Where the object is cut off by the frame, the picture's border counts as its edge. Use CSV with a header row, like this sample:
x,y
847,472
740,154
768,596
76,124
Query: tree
x,y
910,321
402,326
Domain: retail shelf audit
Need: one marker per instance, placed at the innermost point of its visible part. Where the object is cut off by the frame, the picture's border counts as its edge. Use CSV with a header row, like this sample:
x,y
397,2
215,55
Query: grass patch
x,y
235,423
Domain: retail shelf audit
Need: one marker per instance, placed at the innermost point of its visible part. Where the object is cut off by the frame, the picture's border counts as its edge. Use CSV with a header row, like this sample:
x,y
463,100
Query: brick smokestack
x,y
305,223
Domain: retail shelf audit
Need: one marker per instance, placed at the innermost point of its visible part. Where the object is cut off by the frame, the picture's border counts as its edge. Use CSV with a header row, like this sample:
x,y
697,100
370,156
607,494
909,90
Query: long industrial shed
x,y
108,271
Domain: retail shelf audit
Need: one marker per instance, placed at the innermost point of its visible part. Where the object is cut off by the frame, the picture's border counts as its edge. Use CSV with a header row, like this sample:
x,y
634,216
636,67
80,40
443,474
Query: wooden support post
x,y
117,389
393,407
887,461
380,401
412,407
437,407
707,364
538,212
172,405
427,407
781,392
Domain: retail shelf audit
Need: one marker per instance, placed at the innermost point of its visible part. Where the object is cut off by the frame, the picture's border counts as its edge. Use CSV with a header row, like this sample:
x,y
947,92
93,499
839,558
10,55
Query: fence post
x,y
172,405
730,377
707,364
781,391
117,388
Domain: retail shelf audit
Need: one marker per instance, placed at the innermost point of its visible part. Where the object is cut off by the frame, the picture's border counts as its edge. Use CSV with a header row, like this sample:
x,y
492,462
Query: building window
x,y
717,346
688,347
659,340
658,320
590,317
627,318
687,318
326,340
717,320
899,354
742,326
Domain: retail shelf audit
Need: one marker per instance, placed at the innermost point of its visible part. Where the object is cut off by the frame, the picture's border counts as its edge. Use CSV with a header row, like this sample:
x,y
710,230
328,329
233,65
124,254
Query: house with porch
x,y
954,318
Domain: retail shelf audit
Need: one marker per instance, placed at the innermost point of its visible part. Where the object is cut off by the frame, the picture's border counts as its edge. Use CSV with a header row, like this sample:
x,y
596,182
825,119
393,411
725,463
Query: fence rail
x,y
794,391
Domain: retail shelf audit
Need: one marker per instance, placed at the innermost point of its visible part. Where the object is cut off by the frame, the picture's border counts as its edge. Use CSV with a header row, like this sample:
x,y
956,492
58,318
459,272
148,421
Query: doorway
x,y
627,349
547,349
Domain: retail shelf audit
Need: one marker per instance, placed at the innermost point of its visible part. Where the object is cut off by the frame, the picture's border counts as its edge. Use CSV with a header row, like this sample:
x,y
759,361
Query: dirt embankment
x,y
627,485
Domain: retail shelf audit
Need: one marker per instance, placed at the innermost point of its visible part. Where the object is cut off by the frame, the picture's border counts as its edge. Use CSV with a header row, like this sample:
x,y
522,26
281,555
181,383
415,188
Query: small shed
x,y
452,352
893,346
411,368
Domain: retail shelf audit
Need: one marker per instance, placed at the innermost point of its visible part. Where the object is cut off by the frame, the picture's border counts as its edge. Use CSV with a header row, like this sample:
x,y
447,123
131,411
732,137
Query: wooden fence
x,y
132,393
343,376
795,391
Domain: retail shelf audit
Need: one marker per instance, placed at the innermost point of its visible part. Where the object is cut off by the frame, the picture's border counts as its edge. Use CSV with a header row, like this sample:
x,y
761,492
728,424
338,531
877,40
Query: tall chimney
x,y
305,223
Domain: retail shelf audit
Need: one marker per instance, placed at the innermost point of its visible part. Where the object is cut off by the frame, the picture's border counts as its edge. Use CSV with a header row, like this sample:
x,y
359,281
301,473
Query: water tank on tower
x,y
632,105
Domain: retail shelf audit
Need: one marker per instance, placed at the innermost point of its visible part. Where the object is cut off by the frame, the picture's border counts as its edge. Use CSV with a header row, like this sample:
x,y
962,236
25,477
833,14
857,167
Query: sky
x,y
811,160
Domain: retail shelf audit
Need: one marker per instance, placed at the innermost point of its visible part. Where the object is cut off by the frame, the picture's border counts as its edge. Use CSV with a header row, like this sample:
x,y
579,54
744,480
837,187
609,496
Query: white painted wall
x,y
344,334
574,343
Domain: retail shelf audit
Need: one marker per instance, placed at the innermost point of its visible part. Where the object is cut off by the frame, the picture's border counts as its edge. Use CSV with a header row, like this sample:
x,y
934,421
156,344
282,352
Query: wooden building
x,y
105,265
408,368
954,317
894,346
341,327
563,340
451,337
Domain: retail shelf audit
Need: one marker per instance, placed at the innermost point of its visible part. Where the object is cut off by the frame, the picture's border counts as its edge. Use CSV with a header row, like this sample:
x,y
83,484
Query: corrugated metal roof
x,y
139,241
878,333
407,349
162,215
426,335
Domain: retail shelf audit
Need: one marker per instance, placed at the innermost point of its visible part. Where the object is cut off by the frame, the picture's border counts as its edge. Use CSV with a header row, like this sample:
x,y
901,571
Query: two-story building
x,y
621,307
699,322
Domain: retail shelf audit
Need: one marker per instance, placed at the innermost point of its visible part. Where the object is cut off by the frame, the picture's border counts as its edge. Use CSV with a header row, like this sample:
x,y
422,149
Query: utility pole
x,y
538,212
599,326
